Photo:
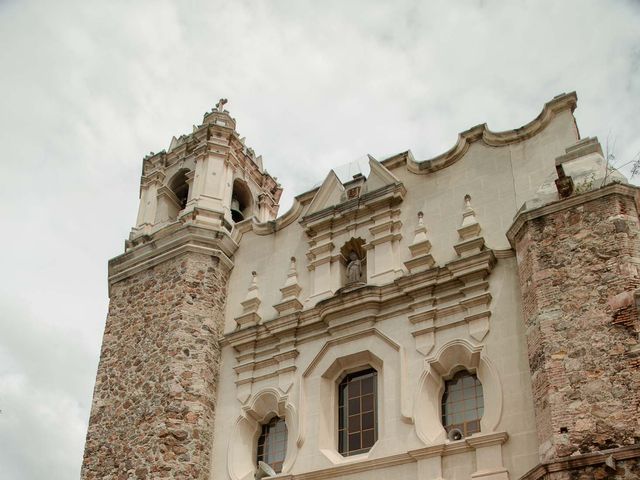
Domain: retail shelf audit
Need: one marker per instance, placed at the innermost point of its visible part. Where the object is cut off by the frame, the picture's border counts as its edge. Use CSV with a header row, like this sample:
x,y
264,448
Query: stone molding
x,y
383,197
446,295
258,409
439,366
374,303
525,216
445,449
374,216
173,240
577,462
565,101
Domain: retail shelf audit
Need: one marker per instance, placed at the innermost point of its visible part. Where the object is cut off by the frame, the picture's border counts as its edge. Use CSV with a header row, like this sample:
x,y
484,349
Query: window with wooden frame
x,y
272,443
462,403
357,412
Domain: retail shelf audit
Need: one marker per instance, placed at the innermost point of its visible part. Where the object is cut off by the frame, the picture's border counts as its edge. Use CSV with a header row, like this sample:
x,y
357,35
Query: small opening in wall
x,y
180,187
564,430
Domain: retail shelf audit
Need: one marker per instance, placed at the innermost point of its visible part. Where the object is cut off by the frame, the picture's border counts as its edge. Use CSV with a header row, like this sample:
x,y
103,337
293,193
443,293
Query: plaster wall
x,y
499,180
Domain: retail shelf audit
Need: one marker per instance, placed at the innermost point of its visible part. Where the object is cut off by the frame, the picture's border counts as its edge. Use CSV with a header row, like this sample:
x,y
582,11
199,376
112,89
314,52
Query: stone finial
x,y
253,294
420,232
469,232
468,220
290,291
251,304
421,259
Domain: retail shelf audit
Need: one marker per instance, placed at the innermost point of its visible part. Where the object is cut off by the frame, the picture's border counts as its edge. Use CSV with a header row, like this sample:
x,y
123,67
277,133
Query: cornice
x,y
369,303
171,241
386,196
482,133
367,465
580,461
525,216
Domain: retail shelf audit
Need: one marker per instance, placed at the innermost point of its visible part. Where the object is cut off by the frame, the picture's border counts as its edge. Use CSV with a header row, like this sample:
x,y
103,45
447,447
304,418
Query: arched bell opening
x,y
241,202
180,188
173,197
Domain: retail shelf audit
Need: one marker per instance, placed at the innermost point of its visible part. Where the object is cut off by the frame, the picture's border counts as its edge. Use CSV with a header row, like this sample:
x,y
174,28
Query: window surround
x,y
259,409
450,358
345,354
331,378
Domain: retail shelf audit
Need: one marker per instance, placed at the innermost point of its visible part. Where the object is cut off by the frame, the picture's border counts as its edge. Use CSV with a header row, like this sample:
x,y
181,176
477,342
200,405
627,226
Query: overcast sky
x,y
88,88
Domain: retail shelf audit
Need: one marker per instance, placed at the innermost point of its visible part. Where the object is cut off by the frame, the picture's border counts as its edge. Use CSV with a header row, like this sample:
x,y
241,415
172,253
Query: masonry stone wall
x,y
154,399
626,470
578,271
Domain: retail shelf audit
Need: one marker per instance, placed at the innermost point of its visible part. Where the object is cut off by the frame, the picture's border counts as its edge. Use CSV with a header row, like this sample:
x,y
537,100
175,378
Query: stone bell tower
x,y
155,395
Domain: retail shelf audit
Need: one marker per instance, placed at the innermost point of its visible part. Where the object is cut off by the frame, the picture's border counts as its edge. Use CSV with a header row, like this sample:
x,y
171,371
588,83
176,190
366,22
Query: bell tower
x,y
154,400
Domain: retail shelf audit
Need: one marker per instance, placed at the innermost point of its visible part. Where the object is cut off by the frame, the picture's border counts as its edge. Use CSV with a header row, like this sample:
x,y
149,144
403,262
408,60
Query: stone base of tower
x,y
616,464
154,398
579,269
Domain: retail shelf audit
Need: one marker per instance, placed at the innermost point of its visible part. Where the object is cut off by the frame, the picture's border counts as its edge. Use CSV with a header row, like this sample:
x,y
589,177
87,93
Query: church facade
x,y
474,315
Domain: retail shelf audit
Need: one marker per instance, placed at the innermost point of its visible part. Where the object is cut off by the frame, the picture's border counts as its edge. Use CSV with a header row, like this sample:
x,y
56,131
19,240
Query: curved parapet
x,y
565,101
495,139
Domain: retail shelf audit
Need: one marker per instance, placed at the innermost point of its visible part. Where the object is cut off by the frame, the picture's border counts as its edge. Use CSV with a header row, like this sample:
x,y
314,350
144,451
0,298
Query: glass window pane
x,y
354,423
367,385
454,396
354,388
367,403
368,420
473,427
368,438
354,406
468,381
354,441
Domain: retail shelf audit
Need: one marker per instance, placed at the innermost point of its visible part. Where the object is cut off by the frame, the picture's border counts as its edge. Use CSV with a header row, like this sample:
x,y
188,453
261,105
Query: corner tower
x,y
154,400
578,248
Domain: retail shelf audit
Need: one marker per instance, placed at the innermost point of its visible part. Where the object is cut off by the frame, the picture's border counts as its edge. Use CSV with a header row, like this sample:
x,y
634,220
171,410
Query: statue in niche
x,y
354,269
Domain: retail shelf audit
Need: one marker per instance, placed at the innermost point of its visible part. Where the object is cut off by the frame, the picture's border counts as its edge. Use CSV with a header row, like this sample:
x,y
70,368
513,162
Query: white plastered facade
x,y
441,293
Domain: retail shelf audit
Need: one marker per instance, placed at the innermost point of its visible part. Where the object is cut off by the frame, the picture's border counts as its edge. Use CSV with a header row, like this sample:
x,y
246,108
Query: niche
x,y
353,260
241,204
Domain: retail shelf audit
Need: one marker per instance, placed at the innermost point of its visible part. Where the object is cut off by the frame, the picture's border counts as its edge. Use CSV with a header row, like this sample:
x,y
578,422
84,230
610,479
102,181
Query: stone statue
x,y
354,269
220,105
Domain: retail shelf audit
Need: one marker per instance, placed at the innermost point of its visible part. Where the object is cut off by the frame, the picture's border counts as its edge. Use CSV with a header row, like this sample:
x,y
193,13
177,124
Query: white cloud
x,y
89,88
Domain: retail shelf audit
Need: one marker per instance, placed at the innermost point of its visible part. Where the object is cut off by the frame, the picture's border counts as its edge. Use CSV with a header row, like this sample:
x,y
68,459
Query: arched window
x,y
462,404
357,412
272,443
